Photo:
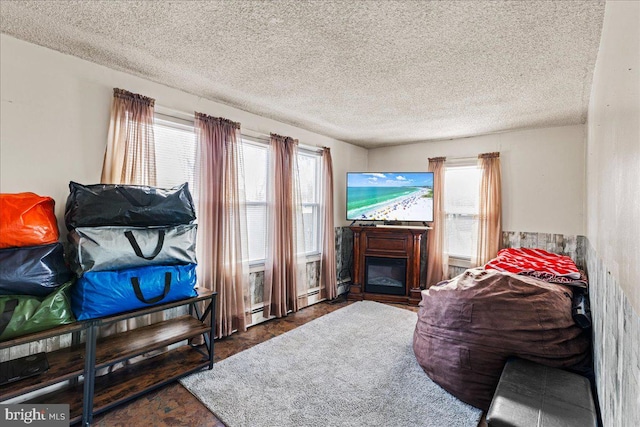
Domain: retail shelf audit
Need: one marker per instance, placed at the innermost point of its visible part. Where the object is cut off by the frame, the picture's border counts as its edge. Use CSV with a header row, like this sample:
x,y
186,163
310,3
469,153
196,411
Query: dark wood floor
x,y
173,405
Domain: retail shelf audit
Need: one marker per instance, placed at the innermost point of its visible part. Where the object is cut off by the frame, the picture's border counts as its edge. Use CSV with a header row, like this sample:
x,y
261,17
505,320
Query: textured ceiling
x,y
368,72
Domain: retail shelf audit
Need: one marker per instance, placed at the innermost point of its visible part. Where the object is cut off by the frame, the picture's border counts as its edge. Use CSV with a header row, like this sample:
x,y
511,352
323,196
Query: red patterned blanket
x,y
538,263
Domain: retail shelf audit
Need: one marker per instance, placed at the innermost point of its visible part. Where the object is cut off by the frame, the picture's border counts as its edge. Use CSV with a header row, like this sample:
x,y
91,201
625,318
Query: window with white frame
x,y
309,165
461,197
256,162
175,143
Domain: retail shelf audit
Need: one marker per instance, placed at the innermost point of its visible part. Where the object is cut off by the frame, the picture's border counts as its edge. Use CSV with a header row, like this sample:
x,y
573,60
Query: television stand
x,y
386,264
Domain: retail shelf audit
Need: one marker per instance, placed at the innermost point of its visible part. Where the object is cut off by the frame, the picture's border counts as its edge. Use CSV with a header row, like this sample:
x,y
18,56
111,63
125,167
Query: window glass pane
x,y
308,165
461,192
310,216
255,166
257,231
175,154
461,235
309,172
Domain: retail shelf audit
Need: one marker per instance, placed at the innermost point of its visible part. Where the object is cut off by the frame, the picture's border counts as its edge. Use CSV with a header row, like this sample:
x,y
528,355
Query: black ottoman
x,y
534,395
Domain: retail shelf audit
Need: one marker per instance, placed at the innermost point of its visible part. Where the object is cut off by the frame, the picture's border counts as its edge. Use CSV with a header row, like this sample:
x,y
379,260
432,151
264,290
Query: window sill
x,y
459,262
256,268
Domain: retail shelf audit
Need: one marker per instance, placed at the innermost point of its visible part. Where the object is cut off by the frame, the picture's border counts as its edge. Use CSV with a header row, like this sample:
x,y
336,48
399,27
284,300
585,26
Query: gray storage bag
x,y
117,248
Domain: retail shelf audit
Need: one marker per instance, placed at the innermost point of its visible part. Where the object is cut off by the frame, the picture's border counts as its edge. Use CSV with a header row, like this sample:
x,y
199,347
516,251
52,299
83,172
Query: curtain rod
x,y
455,160
182,116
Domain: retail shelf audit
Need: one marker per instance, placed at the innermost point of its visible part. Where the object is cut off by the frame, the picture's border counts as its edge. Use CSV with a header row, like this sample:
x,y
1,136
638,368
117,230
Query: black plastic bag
x,y
33,270
127,205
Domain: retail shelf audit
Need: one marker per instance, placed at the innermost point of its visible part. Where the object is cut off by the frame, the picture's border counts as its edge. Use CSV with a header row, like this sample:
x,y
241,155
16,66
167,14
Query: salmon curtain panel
x,y
437,260
130,154
328,267
222,227
490,208
284,266
130,159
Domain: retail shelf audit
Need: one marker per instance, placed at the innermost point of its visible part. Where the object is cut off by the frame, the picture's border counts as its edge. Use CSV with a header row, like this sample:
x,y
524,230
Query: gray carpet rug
x,y
352,367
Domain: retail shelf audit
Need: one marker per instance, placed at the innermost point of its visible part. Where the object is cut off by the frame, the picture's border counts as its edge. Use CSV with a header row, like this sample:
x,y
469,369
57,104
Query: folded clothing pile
x,y
32,266
131,246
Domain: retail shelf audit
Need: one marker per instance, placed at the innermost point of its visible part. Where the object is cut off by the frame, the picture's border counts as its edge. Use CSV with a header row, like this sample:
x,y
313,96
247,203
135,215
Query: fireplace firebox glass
x,y
385,275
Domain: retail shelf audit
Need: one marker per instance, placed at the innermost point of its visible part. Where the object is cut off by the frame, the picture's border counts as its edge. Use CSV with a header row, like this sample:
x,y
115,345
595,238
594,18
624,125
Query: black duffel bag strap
x,y
136,248
136,288
7,314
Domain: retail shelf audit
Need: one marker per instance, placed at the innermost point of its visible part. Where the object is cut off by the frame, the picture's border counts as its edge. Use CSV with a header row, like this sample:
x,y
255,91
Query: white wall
x,y
613,214
54,118
613,148
542,173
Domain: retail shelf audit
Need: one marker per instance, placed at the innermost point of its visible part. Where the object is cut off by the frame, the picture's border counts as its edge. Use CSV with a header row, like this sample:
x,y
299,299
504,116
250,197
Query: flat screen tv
x,y
390,196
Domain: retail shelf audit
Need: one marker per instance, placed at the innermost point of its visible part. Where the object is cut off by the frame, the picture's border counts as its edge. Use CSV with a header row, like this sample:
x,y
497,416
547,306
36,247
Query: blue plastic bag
x,y
103,293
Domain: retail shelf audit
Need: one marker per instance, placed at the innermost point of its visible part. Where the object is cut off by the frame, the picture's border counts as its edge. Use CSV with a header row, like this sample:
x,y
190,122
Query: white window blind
x,y
256,162
175,154
462,186
310,180
255,165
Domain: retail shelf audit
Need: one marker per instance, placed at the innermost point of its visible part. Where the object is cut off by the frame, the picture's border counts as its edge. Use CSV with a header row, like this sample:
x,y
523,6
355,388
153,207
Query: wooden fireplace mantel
x,y
387,242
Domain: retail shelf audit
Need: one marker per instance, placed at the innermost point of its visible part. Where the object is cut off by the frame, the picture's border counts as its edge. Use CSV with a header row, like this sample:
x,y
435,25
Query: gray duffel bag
x,y
117,248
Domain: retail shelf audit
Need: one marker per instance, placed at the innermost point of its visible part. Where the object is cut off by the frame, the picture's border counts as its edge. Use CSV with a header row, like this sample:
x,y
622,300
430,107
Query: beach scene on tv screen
x,y
390,196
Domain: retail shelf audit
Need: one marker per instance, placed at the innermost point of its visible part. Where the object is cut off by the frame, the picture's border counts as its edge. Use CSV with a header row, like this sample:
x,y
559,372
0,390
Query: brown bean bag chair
x,y
469,326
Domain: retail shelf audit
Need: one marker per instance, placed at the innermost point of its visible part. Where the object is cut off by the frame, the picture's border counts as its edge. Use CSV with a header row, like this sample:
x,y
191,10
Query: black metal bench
x,y
534,395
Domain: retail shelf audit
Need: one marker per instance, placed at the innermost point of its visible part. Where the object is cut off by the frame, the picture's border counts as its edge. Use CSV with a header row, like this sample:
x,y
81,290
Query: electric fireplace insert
x,y
384,275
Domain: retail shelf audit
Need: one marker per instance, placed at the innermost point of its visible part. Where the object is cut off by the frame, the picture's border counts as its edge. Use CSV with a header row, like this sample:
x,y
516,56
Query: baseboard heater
x,y
260,309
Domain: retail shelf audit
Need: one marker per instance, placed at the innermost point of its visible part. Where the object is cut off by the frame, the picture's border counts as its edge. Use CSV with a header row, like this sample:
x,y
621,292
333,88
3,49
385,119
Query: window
x,y
310,168
461,196
175,142
256,161
256,157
